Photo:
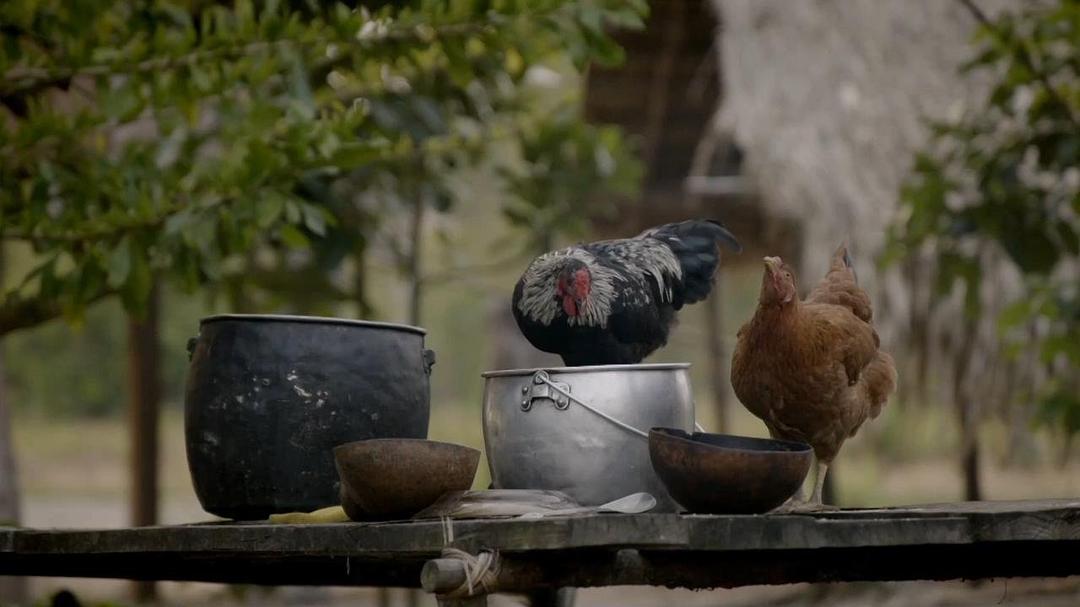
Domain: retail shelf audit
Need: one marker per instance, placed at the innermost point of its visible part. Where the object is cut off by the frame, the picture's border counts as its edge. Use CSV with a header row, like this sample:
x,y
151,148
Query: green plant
x,y
187,139
1007,175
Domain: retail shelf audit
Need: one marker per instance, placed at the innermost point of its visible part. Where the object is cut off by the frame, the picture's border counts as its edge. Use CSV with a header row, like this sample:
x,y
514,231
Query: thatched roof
x,y
828,100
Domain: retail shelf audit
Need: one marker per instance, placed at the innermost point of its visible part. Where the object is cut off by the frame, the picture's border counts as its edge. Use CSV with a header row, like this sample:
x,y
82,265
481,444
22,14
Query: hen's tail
x,y
841,286
876,382
696,244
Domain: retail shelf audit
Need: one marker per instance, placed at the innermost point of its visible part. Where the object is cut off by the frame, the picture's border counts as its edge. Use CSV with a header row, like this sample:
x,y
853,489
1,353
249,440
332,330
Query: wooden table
x,y
938,542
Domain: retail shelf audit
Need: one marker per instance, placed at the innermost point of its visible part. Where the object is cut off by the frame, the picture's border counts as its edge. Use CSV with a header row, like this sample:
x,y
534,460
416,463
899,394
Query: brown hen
x,y
811,369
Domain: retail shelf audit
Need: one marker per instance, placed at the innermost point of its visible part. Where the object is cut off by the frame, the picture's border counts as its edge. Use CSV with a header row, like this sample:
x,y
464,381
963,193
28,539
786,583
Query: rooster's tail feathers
x,y
694,229
696,245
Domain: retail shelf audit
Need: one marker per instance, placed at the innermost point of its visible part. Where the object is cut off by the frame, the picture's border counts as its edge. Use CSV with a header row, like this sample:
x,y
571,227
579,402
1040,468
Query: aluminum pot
x,y
583,430
269,397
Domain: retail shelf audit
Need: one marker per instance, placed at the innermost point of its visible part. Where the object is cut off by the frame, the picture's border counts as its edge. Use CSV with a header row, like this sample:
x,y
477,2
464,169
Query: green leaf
x,y
314,219
293,237
136,291
119,263
269,210
1015,315
1068,237
358,154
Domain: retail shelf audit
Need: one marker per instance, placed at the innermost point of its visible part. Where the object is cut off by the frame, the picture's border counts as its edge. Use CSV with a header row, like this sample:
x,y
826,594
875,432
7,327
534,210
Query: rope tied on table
x,y
447,530
481,571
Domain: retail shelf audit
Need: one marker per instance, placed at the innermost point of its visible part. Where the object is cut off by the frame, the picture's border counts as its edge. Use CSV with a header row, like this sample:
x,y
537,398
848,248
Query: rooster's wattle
x,y
614,301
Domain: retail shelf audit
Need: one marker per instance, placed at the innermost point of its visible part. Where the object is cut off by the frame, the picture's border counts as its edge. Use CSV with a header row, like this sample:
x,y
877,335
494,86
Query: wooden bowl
x,y
726,474
394,478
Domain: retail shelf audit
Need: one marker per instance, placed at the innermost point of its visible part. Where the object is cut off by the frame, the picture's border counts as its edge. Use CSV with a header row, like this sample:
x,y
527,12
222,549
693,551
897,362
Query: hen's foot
x,y
812,507
792,504
795,506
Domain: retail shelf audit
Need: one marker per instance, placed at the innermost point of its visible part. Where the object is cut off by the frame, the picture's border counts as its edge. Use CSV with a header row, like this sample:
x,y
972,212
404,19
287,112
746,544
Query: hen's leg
x,y
796,502
819,482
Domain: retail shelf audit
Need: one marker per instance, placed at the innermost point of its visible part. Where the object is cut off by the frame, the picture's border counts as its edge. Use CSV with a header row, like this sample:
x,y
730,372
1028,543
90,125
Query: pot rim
x,y
404,440
586,369
803,448
328,320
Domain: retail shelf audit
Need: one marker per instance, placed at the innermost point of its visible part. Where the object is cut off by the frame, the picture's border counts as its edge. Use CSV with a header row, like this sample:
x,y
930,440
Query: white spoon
x,y
635,503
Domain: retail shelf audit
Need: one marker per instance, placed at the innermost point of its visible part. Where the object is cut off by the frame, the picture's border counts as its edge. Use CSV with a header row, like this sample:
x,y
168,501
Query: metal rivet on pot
x,y
524,389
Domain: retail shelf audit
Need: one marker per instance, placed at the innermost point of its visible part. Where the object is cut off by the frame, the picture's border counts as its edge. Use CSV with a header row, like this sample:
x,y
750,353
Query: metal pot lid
x,y
587,369
316,320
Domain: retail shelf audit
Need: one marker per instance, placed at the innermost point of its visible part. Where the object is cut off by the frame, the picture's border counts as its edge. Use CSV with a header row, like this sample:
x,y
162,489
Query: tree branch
x,y
22,313
1025,58
22,81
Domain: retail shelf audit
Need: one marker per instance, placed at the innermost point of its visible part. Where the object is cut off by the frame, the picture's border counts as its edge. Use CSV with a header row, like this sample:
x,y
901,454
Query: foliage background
x,y
254,154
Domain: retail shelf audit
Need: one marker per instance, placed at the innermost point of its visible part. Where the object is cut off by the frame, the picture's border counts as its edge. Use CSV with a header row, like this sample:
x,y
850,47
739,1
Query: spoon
x,y
635,503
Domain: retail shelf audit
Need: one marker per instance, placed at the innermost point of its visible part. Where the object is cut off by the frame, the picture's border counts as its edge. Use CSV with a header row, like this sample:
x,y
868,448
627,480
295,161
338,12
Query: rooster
x,y
812,370
614,301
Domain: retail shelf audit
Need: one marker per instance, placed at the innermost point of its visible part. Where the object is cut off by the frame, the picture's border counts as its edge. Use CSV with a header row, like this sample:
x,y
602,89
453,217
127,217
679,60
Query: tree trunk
x,y
917,391
416,233
360,291
144,376
718,364
966,414
12,589
1066,451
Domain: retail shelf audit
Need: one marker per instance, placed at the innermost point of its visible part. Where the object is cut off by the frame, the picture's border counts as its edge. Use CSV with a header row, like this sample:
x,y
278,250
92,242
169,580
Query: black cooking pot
x,y
269,397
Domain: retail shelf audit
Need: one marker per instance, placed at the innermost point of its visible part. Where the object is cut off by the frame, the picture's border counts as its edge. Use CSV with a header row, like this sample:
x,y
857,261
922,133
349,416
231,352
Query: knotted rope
x,y
481,571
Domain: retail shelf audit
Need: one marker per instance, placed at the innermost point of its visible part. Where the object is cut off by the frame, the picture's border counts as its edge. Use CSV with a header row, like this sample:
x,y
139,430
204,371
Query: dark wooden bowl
x,y
394,478
725,474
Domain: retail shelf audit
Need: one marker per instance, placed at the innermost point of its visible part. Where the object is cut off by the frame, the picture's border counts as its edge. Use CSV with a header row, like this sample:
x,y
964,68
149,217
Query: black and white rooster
x,y
614,301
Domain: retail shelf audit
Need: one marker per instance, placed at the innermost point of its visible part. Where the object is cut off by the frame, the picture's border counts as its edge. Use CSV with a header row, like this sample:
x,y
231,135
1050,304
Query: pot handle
x,y
191,343
429,361
542,378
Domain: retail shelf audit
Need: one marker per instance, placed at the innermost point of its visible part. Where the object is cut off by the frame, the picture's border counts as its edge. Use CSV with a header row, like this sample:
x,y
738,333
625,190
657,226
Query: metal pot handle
x,y
191,343
541,378
429,361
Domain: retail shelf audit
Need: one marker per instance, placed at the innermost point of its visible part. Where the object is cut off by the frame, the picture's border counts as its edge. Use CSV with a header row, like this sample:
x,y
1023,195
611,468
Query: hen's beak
x,y
772,264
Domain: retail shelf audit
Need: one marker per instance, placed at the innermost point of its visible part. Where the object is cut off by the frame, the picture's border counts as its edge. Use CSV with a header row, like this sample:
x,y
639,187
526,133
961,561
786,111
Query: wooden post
x,y
144,377
473,601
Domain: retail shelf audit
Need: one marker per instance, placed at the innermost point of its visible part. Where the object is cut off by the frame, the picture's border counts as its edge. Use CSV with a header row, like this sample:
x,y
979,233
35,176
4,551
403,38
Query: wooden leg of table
x,y
562,597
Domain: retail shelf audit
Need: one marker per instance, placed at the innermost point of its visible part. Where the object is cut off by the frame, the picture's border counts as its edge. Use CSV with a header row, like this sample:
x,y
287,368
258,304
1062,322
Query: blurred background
x,y
403,161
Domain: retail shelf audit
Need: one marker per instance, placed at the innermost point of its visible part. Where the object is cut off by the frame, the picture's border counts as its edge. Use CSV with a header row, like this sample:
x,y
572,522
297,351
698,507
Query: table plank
x,y
941,541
